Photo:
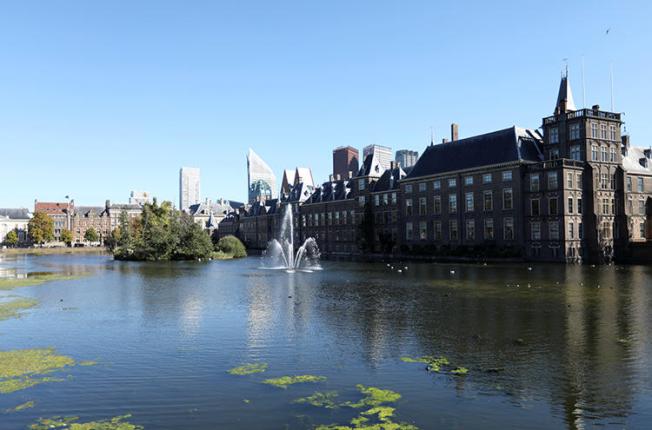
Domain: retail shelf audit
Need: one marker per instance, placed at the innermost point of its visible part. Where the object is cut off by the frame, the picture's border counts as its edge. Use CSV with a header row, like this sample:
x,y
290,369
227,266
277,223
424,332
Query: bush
x,y
231,245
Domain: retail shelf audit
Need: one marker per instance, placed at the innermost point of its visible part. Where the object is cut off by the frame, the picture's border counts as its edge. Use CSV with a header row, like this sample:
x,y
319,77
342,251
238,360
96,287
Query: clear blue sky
x,y
100,98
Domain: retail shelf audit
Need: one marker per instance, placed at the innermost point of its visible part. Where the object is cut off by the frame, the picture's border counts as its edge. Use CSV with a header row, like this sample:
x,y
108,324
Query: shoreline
x,y
53,251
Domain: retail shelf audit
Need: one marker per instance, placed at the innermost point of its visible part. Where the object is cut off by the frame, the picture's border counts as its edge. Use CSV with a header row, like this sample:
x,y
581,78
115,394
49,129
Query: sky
x,y
101,98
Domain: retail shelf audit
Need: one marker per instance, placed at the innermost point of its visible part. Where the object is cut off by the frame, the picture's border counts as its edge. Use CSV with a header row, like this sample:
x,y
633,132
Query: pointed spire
x,y
565,100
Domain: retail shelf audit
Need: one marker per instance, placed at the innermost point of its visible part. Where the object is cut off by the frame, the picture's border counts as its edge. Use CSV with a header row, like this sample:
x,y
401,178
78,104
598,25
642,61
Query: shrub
x,y
231,245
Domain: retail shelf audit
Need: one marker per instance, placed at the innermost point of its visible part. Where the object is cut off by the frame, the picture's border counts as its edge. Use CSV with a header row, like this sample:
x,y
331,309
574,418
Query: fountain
x,y
280,252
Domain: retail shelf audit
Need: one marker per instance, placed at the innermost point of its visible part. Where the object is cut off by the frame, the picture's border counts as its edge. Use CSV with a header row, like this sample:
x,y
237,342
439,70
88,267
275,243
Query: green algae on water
x,y
285,381
460,371
248,369
373,397
71,423
14,308
35,279
425,359
87,363
320,399
21,407
436,364
20,369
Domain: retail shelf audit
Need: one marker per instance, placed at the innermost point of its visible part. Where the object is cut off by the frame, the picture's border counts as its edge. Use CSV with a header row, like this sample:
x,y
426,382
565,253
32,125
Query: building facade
x,y
406,157
189,187
261,181
60,212
346,160
14,220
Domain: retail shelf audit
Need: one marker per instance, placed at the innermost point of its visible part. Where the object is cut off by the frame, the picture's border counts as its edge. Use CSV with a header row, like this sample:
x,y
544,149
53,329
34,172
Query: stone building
x,y
86,217
14,220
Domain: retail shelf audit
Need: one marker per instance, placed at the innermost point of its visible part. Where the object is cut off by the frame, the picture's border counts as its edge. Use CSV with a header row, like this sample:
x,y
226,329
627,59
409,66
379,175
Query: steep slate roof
x,y
632,163
86,211
330,191
371,166
15,213
502,146
565,94
389,180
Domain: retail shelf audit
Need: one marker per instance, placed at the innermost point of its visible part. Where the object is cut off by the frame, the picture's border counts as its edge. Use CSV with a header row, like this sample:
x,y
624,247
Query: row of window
x,y
488,232
640,184
469,203
385,199
574,205
486,178
604,154
554,232
328,218
573,180
596,133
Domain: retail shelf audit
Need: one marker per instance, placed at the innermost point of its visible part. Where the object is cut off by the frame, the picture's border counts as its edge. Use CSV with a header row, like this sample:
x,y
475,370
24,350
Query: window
x,y
578,180
394,198
337,218
377,200
641,207
486,178
640,186
468,180
612,154
385,199
603,131
361,184
629,183
569,180
579,205
437,205
571,231
488,200
603,153
535,231
570,205
436,185
452,203
554,135
534,182
330,218
452,183
468,198
552,206
423,230
594,130
612,133
612,182
574,131
408,188
361,201
575,153
408,231
580,231
594,153
452,230
554,154
470,229
408,207
436,226
604,181
553,231
508,201
489,229
508,228
422,206
422,186
552,181
535,207
507,175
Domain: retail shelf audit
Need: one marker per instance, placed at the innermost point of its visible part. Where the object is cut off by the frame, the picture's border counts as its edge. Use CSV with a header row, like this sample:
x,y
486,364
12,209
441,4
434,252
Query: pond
x,y
206,345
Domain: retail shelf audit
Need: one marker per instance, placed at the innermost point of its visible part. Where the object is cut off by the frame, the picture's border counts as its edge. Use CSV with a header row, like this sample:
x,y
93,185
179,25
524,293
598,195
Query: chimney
x,y
338,177
455,132
444,140
391,165
330,178
350,174
107,204
648,153
596,107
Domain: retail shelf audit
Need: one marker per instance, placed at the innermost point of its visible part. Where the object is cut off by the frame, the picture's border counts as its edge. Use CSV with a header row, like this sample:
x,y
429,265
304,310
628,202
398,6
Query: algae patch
x,y
21,407
34,279
87,363
20,369
426,359
373,397
248,369
460,371
72,423
14,308
285,381
436,364
320,399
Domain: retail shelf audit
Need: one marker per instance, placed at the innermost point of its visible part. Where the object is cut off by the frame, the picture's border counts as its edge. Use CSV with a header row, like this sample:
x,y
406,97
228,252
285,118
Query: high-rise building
x,y
261,179
189,192
346,160
406,157
383,154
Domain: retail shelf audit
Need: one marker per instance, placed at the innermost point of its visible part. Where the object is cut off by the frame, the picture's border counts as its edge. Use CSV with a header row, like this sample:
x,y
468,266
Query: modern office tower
x,y
383,153
346,160
406,157
189,193
260,178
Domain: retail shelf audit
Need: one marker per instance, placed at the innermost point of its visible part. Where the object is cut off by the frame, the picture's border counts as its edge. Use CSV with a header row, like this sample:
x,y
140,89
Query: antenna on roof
x,y
565,60
432,137
583,86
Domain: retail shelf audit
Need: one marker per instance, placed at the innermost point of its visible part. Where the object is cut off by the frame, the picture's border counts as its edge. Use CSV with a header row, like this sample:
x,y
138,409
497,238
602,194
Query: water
x,y
574,355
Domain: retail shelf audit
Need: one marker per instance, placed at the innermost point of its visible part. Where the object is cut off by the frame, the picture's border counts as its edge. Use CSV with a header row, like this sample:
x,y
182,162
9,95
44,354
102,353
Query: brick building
x,y
60,212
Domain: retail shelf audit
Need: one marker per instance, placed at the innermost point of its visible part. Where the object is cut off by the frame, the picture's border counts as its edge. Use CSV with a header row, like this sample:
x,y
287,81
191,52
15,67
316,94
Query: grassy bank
x,y
53,251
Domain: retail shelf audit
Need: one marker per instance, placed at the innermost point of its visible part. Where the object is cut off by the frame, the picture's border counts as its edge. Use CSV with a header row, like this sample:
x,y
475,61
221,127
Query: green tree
x,y
11,239
66,237
232,246
41,228
91,235
194,242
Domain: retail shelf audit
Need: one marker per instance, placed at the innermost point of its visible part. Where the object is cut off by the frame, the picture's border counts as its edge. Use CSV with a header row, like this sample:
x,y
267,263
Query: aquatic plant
x,y
87,363
320,399
425,359
14,308
19,369
248,369
285,381
373,397
71,423
460,371
377,418
21,407
35,279
436,364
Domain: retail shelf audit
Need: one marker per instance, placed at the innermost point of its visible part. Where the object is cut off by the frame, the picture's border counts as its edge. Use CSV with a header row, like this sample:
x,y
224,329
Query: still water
x,y
549,346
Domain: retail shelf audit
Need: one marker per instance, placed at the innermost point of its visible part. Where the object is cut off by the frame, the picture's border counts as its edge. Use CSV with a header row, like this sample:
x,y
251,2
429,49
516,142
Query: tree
x,y
91,235
232,246
11,239
66,237
41,228
194,242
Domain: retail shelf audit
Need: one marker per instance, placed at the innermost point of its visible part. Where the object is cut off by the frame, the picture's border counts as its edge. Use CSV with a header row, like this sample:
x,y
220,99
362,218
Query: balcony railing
x,y
589,113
